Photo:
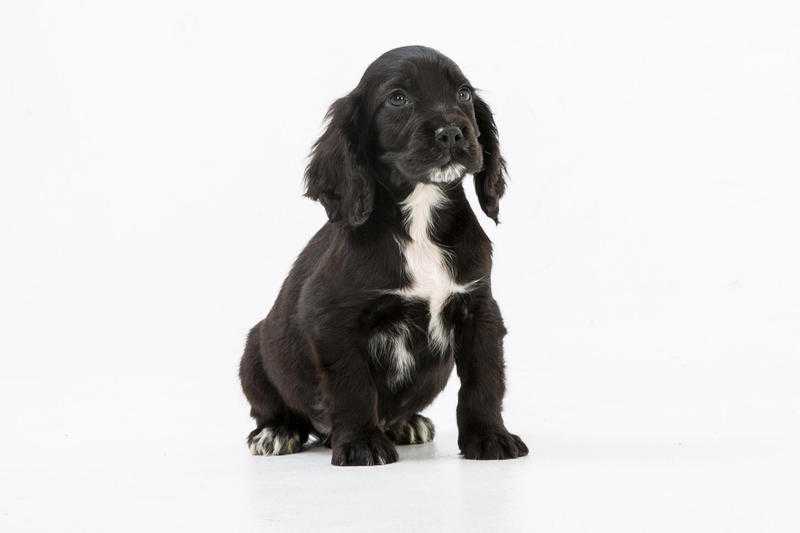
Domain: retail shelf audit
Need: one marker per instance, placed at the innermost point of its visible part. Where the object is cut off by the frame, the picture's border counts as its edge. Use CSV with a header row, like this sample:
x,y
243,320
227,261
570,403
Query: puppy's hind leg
x,y
279,430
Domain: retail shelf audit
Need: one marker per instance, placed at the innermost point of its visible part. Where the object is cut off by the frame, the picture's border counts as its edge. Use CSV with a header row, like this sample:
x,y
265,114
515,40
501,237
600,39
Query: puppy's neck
x,y
428,202
421,203
435,203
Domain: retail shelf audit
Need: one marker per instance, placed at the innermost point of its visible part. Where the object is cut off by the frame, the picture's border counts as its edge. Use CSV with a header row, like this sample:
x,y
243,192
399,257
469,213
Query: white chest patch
x,y
431,280
426,263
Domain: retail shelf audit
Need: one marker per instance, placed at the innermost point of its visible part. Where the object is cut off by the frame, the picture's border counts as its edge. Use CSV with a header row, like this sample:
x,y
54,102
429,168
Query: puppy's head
x,y
413,118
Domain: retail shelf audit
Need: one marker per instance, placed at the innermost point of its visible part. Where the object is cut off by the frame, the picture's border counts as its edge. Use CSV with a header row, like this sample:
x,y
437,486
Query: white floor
x,y
112,454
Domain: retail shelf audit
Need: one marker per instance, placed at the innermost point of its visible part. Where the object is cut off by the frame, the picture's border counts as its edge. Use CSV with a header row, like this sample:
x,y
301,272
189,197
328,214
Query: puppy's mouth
x,y
443,168
447,173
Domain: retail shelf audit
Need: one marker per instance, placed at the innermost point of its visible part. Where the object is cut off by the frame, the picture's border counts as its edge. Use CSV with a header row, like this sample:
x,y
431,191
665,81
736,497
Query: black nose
x,y
449,136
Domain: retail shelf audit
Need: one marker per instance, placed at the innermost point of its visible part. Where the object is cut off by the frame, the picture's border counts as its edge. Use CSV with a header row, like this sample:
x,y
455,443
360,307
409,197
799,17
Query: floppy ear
x,y
490,183
337,174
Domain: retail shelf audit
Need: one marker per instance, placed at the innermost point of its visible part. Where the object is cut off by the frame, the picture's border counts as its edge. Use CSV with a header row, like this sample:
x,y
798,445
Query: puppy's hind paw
x,y
417,429
277,440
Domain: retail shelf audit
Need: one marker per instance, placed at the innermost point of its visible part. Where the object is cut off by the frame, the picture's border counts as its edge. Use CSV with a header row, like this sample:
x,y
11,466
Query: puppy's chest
x,y
431,283
428,267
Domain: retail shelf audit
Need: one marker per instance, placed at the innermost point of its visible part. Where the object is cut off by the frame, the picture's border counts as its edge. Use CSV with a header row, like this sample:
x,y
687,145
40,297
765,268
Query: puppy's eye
x,y
464,94
398,99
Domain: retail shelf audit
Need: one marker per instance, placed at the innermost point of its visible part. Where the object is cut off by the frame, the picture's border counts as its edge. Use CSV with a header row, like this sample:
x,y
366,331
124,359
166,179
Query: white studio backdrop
x,y
151,156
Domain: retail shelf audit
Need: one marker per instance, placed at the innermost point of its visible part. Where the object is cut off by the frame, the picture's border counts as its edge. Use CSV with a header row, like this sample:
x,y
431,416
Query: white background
x,y
647,265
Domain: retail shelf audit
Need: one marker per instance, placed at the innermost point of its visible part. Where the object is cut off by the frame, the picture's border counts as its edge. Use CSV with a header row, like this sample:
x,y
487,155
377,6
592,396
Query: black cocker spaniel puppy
x,y
395,289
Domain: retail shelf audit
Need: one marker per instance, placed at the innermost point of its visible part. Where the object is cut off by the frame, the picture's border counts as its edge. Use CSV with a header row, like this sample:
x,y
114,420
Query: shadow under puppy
x,y
395,289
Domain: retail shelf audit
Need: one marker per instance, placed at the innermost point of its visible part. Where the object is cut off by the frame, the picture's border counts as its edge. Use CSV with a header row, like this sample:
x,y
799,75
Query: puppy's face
x,y
423,118
413,118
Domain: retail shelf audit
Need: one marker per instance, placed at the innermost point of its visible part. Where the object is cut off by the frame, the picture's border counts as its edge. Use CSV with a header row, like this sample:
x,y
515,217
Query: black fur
x,y
308,367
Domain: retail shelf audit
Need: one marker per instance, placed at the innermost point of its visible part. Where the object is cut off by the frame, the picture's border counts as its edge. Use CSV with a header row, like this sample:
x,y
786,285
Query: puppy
x,y
394,290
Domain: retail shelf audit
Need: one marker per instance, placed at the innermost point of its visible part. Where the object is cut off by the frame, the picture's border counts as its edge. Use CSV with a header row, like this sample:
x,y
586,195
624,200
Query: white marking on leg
x,y
395,346
422,429
412,435
403,358
268,442
258,445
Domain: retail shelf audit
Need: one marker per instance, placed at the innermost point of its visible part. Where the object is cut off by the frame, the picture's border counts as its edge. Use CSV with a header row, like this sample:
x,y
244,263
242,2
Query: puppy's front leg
x,y
356,438
479,363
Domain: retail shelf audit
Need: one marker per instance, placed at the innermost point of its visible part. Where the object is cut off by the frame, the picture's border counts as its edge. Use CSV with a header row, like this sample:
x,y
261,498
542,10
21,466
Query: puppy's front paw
x,y
367,449
495,444
416,430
